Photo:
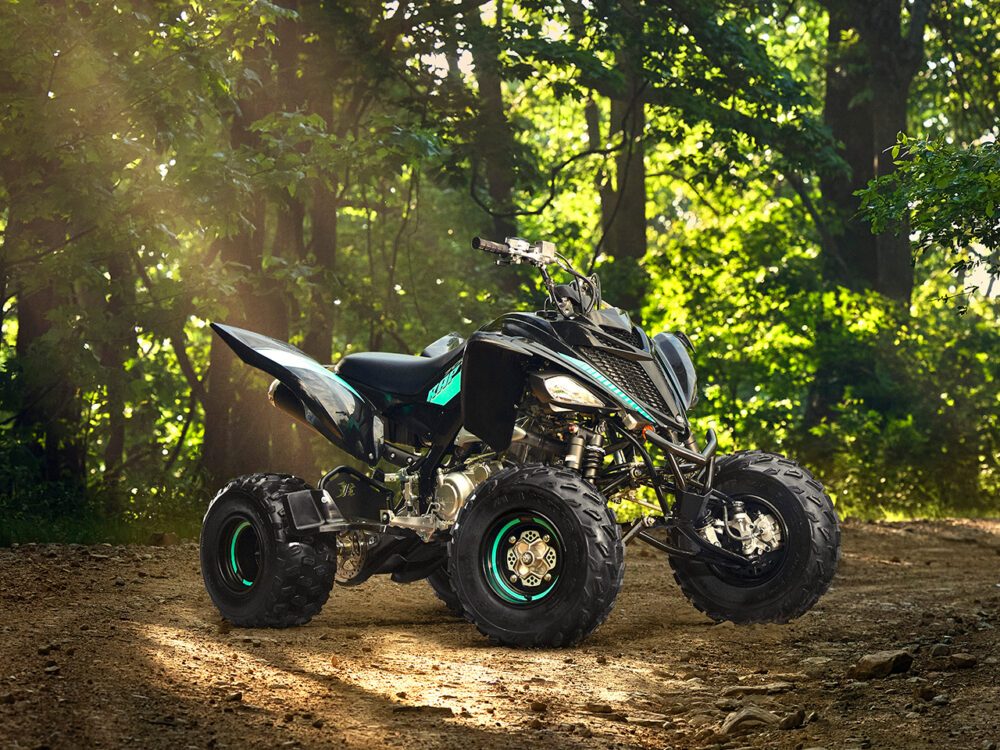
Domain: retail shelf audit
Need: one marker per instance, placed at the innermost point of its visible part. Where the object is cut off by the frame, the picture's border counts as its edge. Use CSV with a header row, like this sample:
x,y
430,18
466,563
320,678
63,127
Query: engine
x,y
455,487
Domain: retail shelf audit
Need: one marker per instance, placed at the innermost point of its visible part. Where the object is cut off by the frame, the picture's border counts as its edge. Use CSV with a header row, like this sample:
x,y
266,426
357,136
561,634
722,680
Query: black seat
x,y
402,374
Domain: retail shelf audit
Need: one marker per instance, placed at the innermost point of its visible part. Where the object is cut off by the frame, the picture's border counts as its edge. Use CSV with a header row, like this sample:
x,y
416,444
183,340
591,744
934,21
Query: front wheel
x,y
790,530
536,557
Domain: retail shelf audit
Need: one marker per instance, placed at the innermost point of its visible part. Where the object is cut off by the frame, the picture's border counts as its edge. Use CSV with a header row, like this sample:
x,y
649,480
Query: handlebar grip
x,y
478,243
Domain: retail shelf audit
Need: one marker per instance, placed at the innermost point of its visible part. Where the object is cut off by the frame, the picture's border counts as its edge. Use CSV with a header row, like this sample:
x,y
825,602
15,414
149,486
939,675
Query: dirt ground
x,y
121,647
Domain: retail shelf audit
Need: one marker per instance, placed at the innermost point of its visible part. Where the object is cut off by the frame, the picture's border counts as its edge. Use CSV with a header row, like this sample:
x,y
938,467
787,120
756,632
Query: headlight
x,y
567,390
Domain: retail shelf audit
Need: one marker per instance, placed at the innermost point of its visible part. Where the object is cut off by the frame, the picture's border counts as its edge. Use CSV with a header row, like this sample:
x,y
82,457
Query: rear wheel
x,y
794,540
255,570
536,557
440,582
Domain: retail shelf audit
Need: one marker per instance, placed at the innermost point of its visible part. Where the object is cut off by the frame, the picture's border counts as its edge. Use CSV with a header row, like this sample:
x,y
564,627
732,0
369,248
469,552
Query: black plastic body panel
x,y
356,496
329,404
498,356
679,368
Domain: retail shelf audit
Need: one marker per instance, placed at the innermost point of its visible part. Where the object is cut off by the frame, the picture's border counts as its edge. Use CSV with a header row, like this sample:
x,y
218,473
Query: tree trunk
x,y
51,406
623,211
867,91
494,139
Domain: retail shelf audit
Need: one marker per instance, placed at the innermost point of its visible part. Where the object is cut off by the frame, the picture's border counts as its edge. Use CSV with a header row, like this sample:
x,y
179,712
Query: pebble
x,y
793,720
962,661
598,708
237,696
940,650
539,707
746,717
881,664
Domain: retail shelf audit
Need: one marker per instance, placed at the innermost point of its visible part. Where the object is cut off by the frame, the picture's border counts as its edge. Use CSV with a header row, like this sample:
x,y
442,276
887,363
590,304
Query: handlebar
x,y
478,243
542,254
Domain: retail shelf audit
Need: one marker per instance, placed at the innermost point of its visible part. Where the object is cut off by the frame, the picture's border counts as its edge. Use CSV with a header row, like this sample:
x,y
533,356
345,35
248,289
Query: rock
x,y
602,660
911,715
793,720
52,669
237,696
164,539
539,707
881,664
119,581
584,731
747,717
924,692
598,708
962,661
318,723
815,661
771,688
940,650
535,724
941,700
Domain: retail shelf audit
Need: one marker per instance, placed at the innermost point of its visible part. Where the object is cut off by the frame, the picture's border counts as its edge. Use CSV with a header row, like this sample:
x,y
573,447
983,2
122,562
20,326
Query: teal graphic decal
x,y
447,388
622,396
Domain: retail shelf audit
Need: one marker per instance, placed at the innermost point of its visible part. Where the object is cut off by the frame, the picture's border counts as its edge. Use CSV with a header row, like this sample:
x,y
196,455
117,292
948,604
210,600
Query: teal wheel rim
x,y
239,554
523,558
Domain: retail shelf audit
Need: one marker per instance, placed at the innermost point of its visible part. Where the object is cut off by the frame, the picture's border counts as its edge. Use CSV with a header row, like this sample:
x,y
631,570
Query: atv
x,y
490,463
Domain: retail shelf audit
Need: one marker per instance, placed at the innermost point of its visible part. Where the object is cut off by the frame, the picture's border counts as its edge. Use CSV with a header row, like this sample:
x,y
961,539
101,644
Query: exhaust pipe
x,y
281,397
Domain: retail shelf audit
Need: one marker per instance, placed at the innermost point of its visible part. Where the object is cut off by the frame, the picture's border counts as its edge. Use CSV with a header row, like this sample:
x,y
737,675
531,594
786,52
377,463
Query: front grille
x,y
630,336
627,375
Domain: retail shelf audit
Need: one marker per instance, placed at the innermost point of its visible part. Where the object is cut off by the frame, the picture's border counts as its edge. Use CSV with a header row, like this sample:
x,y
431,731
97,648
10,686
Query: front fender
x,y
493,371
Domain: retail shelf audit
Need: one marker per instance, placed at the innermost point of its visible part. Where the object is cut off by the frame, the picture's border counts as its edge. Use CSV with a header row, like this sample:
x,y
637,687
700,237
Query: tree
x,y
873,59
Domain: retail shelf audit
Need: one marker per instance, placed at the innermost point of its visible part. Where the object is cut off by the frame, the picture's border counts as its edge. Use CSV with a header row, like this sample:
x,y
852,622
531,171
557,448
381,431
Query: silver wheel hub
x,y
756,534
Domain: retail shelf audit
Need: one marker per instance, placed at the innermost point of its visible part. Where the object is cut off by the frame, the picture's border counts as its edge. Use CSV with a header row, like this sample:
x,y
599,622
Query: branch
x,y
552,183
53,249
180,440
176,335
829,243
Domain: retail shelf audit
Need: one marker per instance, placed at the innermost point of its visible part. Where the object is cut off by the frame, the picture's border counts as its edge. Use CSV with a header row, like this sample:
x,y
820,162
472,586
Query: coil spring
x,y
592,457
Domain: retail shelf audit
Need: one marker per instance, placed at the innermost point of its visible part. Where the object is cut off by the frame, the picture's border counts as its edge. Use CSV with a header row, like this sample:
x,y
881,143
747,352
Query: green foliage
x,y
950,196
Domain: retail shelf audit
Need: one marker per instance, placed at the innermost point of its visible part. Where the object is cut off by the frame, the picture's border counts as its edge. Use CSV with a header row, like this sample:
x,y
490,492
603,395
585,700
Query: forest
x,y
809,189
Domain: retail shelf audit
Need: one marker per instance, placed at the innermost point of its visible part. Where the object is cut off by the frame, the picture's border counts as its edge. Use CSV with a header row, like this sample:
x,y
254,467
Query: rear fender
x,y
328,403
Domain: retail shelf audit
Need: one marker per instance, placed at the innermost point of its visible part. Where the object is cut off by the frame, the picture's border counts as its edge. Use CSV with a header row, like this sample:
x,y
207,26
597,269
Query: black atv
x,y
491,462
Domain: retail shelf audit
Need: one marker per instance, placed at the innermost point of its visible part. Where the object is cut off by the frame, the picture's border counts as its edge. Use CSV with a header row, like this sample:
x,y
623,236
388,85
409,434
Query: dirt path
x,y
120,647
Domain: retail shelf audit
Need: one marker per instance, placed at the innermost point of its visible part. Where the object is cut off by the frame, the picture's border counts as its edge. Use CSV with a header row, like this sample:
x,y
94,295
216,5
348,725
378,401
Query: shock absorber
x,y
593,455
